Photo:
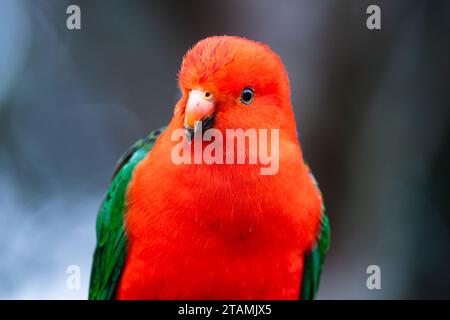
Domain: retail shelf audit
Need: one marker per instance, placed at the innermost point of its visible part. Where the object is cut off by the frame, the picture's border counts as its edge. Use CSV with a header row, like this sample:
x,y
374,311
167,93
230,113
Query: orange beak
x,y
199,111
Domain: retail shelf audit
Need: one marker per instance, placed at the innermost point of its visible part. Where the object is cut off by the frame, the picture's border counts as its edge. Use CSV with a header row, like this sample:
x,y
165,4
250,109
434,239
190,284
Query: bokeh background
x,y
372,110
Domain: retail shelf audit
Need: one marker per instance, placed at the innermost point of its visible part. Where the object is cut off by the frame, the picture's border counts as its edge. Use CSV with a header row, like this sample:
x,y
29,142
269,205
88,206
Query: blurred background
x,y
372,109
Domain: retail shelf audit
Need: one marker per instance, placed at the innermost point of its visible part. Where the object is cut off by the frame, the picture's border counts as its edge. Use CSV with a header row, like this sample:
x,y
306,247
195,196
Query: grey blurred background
x,y
372,110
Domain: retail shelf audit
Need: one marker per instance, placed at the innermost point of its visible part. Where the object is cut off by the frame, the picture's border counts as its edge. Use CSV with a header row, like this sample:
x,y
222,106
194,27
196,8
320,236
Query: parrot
x,y
214,231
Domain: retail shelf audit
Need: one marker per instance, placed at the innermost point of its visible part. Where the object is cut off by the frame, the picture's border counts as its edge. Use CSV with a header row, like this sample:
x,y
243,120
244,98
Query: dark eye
x,y
247,96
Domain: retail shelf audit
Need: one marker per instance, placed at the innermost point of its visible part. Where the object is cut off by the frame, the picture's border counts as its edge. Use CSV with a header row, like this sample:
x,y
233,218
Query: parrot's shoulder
x,y
143,145
110,251
314,259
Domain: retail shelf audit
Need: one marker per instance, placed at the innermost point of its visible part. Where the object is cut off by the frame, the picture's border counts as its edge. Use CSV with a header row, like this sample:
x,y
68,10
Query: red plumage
x,y
223,231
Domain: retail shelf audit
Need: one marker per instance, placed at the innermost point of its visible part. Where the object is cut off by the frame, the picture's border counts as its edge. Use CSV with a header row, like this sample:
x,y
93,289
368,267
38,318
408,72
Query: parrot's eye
x,y
247,96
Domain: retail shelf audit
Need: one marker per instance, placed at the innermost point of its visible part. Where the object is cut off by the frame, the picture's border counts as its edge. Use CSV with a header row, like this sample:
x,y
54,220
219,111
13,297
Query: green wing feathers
x,y
313,261
110,252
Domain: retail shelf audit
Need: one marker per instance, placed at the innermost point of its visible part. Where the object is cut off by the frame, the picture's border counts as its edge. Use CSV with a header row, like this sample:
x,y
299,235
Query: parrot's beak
x,y
199,113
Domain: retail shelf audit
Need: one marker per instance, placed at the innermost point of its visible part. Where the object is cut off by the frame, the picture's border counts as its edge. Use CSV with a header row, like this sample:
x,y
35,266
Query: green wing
x,y
111,249
313,261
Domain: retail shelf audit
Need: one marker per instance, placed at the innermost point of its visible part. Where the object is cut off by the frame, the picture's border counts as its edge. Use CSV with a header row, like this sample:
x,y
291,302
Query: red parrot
x,y
214,230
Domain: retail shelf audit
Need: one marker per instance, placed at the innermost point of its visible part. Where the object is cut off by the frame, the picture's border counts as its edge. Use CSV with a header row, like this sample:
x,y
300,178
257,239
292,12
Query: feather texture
x,y
217,231
111,249
314,260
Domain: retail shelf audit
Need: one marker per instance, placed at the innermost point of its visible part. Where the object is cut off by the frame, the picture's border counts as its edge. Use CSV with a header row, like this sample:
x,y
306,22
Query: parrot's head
x,y
229,82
